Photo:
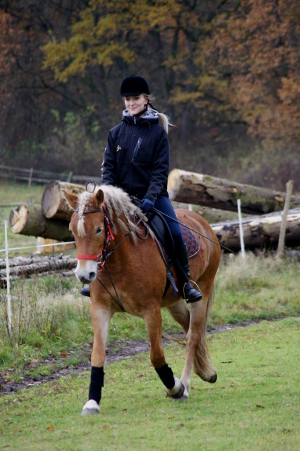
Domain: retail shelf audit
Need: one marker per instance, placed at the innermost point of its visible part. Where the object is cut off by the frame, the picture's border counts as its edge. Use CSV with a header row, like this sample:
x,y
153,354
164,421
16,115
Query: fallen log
x,y
54,203
200,189
39,266
259,232
211,215
32,260
29,220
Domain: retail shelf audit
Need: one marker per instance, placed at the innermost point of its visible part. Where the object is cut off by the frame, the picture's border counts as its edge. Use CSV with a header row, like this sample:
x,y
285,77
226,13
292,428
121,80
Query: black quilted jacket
x,y
136,157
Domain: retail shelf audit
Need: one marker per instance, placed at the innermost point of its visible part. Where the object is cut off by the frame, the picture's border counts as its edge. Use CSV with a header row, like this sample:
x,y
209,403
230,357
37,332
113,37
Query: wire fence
x,y
30,175
6,250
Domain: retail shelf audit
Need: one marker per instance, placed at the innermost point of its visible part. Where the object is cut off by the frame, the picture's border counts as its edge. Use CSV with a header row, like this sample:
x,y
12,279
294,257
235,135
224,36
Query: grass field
x,y
51,320
253,406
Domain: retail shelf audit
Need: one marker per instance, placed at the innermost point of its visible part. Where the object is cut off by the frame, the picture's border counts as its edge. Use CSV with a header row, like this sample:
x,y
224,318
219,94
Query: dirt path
x,y
119,350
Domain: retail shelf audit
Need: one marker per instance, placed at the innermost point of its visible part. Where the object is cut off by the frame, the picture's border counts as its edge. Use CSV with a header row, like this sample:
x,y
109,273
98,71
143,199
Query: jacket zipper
x,y
136,149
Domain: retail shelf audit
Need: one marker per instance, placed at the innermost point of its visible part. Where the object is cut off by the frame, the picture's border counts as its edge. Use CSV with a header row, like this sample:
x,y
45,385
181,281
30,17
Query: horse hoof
x,y
213,378
178,392
183,397
90,408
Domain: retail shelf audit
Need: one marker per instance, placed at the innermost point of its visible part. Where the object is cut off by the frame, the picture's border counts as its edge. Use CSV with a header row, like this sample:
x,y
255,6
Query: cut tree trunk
x,y
259,232
54,203
39,265
211,215
29,220
200,189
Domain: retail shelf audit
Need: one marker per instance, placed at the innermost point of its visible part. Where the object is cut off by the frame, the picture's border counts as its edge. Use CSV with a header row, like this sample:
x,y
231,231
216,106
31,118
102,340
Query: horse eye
x,y
99,230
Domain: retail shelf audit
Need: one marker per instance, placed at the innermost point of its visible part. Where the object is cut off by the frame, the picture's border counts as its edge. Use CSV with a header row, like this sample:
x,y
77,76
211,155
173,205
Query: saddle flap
x,y
159,226
164,239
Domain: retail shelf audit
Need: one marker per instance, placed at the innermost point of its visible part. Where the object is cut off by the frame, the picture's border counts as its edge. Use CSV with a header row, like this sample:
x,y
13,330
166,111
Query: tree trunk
x,y
29,220
200,189
54,204
39,265
211,215
260,232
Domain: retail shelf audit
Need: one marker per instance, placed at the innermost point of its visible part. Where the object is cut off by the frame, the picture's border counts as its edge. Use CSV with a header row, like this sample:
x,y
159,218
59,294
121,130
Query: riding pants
x,y
164,205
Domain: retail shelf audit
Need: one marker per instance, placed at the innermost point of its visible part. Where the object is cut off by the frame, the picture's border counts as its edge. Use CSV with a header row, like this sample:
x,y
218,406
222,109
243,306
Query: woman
x,y
136,159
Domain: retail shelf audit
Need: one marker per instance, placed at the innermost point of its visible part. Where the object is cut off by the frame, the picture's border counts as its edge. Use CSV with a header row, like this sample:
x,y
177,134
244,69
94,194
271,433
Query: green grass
x,y
262,288
253,406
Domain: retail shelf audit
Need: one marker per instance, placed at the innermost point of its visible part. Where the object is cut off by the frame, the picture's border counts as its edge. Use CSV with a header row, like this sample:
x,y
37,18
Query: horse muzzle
x,y
86,271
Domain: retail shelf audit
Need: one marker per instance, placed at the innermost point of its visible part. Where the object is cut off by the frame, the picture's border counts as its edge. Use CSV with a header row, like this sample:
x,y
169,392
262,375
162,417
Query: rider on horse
x,y
136,159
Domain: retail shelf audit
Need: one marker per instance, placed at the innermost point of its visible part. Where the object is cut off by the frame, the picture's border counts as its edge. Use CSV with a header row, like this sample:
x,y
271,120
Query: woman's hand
x,y
146,205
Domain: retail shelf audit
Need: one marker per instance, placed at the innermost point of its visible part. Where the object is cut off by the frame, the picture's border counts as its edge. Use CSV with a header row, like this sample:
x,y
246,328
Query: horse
x,y
119,259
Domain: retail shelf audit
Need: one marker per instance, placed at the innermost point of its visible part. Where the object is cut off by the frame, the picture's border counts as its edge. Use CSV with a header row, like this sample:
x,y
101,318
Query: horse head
x,y
89,225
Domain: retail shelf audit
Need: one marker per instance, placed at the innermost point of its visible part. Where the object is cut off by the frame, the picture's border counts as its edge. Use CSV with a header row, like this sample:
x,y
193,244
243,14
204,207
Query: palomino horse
x,y
107,225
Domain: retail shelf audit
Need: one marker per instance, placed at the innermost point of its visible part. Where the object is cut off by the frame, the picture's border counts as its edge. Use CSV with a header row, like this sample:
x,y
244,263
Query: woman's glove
x,y
146,205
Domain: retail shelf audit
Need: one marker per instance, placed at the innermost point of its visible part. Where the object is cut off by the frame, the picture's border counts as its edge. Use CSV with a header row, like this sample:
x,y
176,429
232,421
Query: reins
x,y
192,230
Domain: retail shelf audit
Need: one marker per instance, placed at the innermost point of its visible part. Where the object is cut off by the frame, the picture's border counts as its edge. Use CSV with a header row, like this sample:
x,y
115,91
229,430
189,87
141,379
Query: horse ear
x,y
100,197
71,199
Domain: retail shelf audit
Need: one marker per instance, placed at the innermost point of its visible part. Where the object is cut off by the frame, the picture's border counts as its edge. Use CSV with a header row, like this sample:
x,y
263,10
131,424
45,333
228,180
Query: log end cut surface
x,y
18,218
51,199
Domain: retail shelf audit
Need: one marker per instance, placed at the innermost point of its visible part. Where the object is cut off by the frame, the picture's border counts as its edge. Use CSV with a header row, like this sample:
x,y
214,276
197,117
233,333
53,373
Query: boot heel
x,y
190,294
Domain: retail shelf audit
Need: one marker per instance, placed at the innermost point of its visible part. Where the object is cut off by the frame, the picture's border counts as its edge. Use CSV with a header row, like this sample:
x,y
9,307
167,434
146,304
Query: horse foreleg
x,y
174,386
100,319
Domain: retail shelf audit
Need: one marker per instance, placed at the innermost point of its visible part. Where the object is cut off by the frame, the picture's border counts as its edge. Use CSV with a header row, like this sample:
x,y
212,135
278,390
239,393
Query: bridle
x,y
103,255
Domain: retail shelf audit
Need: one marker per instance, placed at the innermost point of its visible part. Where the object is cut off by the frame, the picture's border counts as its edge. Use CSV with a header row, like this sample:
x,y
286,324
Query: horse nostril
x,y
92,275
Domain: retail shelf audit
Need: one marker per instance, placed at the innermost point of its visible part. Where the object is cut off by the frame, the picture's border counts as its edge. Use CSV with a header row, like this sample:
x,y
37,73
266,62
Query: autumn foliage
x,y
228,73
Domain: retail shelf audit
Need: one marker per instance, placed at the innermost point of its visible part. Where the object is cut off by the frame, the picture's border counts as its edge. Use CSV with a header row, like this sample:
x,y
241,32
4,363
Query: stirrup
x,y
85,291
190,294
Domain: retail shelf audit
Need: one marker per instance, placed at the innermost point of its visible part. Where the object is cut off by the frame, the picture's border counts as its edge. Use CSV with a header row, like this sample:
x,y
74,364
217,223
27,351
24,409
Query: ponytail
x,y
163,117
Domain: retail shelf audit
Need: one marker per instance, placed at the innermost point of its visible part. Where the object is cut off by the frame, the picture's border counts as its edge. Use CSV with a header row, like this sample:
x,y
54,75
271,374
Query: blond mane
x,y
118,203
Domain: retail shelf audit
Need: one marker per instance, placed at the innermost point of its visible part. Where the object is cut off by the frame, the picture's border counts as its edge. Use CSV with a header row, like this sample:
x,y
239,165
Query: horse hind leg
x,y
201,365
196,349
174,387
181,314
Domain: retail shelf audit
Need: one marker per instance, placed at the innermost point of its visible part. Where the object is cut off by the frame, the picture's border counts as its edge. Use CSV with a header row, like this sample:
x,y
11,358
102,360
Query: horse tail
x,y
202,366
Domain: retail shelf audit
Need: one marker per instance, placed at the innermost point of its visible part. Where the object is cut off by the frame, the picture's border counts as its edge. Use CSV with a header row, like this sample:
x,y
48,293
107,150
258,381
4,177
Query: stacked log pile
x,y
262,231
207,195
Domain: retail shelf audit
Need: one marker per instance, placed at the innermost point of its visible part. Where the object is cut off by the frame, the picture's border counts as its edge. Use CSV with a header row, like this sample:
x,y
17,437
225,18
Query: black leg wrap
x,y
166,376
97,382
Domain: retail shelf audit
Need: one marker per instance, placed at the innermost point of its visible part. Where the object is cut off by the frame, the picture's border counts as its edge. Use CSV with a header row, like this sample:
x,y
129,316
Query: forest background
x,y
226,72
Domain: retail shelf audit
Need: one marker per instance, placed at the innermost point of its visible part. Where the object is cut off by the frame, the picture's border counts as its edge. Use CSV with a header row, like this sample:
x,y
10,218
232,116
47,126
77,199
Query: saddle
x,y
165,244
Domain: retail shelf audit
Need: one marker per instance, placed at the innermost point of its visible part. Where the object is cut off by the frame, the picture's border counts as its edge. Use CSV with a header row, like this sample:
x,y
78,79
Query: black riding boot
x,y
183,273
85,291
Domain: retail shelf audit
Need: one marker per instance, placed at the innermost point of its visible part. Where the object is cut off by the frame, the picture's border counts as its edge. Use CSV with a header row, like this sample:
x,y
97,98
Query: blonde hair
x,y
165,120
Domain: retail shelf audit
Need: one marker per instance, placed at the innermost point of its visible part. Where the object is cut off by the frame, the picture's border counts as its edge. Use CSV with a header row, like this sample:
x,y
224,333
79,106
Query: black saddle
x,y
165,244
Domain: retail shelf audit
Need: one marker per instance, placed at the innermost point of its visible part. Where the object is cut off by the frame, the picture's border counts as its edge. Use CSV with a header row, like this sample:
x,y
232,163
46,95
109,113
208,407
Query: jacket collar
x,y
148,118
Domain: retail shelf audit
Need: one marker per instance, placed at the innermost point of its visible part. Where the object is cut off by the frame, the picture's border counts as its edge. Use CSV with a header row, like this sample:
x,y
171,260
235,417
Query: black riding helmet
x,y
133,86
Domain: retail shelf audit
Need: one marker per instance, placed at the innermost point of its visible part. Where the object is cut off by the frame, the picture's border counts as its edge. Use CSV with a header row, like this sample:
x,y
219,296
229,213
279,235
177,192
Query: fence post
x,y
70,176
30,177
7,281
241,229
289,190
